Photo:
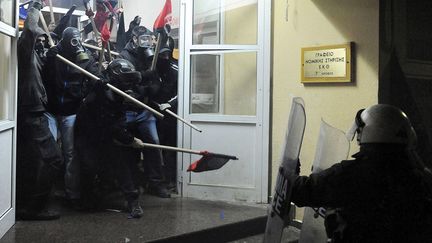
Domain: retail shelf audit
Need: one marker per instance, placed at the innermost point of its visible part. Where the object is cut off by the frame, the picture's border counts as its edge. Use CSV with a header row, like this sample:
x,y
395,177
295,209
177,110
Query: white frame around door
x,y
261,119
8,125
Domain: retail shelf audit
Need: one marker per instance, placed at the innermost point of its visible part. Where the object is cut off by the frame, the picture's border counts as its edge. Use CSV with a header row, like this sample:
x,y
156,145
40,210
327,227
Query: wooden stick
x,y
116,90
44,25
52,23
190,151
157,49
98,48
180,118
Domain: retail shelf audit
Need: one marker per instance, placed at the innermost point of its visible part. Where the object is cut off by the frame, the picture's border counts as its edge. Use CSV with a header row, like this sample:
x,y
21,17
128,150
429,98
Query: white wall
x,y
148,10
308,23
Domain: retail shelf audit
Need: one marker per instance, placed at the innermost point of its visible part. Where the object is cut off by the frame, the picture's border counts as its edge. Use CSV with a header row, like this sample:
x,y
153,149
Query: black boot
x,y
159,190
134,208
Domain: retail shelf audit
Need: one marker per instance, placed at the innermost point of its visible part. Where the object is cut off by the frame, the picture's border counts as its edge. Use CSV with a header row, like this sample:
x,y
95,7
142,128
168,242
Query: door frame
x,y
262,117
7,219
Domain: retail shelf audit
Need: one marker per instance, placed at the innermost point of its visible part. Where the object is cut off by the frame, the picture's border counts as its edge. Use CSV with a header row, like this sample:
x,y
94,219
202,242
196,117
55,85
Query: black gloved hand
x,y
150,75
52,52
101,84
37,4
135,22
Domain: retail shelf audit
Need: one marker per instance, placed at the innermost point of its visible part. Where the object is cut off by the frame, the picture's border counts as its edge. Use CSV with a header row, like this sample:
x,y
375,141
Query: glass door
x,y
224,77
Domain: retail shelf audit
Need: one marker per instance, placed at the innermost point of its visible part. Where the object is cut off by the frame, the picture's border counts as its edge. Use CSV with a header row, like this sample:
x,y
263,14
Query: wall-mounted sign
x,y
326,64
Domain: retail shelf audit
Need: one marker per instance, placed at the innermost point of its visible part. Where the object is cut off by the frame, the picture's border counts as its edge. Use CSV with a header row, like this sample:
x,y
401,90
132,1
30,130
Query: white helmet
x,y
383,124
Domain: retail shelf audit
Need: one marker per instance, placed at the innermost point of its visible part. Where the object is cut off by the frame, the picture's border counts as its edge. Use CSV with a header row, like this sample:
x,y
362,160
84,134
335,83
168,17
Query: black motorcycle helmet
x,y
122,74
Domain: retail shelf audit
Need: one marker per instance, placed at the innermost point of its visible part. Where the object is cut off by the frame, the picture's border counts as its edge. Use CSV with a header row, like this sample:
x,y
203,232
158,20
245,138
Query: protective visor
x,y
350,134
145,41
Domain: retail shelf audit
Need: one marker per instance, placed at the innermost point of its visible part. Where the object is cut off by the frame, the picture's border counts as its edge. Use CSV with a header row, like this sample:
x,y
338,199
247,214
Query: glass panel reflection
x,y
7,12
65,3
225,22
5,75
224,83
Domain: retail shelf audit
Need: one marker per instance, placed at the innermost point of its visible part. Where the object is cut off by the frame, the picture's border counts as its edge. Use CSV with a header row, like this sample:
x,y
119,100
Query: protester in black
x,y
139,52
38,156
102,139
167,68
66,88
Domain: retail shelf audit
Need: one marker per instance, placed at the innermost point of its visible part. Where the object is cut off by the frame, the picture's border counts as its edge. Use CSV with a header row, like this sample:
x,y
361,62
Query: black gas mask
x,y
71,44
144,44
143,41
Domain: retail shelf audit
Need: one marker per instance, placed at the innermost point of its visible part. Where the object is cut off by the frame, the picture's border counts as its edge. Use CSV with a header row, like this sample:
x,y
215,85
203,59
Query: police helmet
x,y
384,123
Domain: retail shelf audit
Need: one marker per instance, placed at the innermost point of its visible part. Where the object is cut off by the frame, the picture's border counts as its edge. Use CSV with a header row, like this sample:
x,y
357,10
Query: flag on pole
x,y
164,17
64,22
121,33
210,161
104,12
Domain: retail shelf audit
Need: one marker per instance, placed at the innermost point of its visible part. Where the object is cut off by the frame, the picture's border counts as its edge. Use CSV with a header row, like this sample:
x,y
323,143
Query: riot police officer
x,y
384,194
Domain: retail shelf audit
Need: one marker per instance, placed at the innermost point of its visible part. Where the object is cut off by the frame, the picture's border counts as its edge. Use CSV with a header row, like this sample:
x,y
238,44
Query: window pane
x,y
65,3
7,12
221,85
5,76
225,22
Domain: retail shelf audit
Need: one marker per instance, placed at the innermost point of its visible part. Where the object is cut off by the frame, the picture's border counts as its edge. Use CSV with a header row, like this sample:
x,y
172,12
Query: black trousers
x,y
99,159
167,130
39,160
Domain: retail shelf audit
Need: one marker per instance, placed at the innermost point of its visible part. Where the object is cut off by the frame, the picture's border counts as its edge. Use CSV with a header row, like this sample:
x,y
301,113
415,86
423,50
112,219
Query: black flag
x,y
121,35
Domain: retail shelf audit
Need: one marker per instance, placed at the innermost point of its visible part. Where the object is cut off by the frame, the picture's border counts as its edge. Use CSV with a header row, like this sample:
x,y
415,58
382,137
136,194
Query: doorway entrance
x,y
225,81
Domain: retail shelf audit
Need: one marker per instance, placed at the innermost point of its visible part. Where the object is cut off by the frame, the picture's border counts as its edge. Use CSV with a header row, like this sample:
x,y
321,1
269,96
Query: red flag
x,y
101,18
210,161
164,16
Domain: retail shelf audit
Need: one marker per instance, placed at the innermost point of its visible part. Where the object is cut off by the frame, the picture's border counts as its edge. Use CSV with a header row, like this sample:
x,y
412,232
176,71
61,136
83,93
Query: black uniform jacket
x,y
382,195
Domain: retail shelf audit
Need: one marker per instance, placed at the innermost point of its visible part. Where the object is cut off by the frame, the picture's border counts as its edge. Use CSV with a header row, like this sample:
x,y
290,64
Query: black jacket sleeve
x,y
329,188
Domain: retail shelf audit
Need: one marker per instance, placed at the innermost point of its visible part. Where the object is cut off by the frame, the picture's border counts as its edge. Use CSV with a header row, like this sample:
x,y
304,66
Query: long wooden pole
x,y
98,48
94,77
190,151
52,23
116,90
157,49
180,118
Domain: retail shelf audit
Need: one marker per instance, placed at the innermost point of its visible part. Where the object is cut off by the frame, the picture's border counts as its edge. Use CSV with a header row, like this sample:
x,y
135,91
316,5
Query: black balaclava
x,y
40,45
71,44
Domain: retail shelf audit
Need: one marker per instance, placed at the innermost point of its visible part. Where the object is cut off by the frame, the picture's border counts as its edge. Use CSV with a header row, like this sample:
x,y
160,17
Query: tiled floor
x,y
162,218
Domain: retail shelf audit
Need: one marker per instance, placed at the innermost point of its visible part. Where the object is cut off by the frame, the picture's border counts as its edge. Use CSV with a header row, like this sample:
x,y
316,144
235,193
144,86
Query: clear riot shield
x,y
332,147
278,216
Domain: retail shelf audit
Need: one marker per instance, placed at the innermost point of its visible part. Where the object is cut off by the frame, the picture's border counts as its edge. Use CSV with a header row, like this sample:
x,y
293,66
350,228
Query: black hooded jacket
x,y
150,83
32,96
67,86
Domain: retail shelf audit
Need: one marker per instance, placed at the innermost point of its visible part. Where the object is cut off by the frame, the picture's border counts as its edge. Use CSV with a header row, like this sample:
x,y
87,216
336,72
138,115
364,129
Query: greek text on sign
x,y
326,64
